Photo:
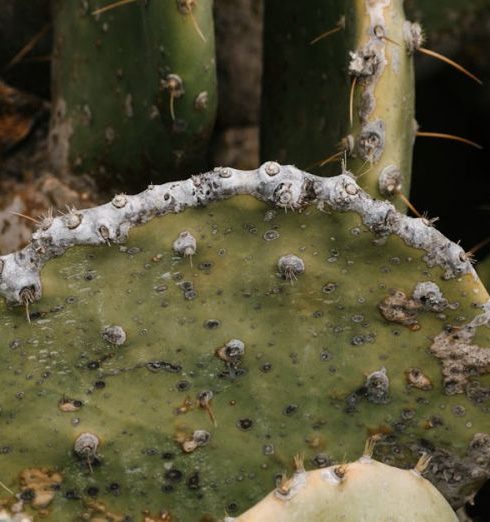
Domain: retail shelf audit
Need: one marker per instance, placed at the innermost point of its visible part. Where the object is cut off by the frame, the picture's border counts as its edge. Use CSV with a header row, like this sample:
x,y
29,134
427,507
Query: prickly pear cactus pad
x,y
181,371
346,492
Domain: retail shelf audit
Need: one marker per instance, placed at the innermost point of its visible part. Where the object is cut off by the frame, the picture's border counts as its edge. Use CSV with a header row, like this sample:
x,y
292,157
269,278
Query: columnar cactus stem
x,y
383,125
283,186
363,69
134,90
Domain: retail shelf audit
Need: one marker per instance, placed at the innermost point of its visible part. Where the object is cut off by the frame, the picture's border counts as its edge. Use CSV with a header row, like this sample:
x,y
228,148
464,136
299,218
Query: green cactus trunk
x,y
308,85
134,90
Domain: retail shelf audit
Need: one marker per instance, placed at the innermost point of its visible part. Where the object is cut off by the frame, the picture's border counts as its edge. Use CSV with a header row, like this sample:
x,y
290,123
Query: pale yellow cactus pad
x,y
365,490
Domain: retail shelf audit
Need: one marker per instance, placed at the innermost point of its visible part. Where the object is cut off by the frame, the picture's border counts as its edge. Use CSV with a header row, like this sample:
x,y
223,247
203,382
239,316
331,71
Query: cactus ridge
x,y
283,186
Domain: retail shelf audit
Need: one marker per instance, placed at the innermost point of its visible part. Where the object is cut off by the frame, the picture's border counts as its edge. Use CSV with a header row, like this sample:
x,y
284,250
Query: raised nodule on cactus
x,y
228,367
284,186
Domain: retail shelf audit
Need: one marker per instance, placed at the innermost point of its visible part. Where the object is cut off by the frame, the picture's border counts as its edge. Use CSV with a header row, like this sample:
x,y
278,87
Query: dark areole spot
x,y
28,494
266,367
321,460
193,481
212,324
232,507
173,475
326,356
92,491
329,288
183,385
168,455
290,409
155,366
206,265
114,488
245,424
71,494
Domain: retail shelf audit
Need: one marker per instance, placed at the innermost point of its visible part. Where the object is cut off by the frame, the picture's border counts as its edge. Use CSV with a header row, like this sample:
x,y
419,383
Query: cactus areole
x,y
178,373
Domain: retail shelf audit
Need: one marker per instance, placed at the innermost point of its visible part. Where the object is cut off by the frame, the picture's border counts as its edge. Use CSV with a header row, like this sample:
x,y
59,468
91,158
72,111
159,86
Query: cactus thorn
x,y
429,221
211,414
27,297
394,42
469,255
172,110
28,47
474,249
204,399
184,407
370,444
339,26
329,159
89,464
447,137
299,463
452,63
112,6
405,200
351,99
185,7
6,488
196,26
422,463
368,160
175,86
414,40
19,214
324,161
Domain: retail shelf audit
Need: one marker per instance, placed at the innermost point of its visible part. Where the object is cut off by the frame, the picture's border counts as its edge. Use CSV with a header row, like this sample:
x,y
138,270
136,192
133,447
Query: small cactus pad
x,y
153,384
363,490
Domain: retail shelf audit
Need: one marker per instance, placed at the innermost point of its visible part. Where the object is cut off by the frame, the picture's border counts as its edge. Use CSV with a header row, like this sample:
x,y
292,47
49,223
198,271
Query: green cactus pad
x,y
310,342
